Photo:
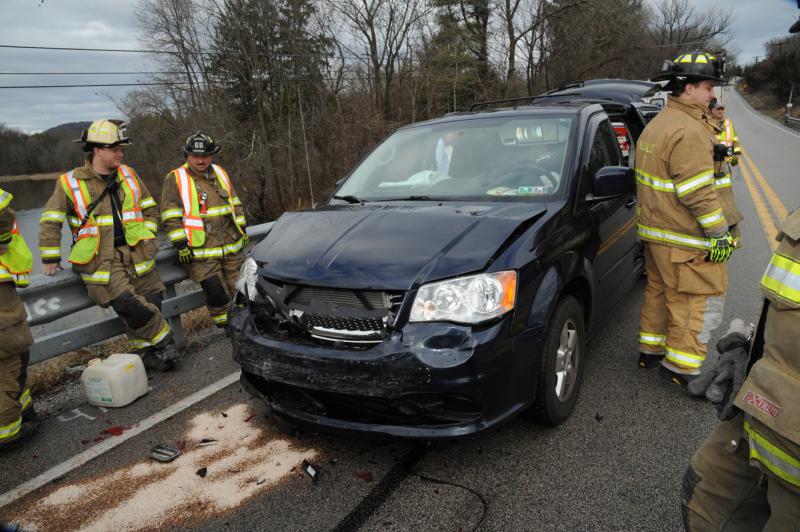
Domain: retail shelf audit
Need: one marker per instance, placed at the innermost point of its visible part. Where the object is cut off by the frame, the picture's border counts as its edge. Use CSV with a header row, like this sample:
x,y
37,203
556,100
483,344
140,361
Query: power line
x,y
174,52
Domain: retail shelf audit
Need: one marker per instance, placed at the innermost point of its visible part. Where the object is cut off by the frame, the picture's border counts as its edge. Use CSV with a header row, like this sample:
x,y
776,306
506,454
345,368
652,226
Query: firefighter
x,y
204,220
724,160
746,476
114,220
18,419
682,222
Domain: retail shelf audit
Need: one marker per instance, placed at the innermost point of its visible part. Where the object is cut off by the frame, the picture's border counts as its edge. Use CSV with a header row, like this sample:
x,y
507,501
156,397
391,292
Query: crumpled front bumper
x,y
428,381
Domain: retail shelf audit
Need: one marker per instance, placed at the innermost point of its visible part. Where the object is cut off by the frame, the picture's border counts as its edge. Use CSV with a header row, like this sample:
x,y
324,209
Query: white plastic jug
x,y
116,381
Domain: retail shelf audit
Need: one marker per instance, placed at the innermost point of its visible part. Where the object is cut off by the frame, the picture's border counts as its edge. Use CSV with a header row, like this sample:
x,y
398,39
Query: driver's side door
x,y
615,220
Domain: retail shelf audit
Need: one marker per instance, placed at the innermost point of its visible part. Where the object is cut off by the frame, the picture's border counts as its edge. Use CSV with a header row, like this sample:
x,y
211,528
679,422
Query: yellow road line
x,y
761,208
772,197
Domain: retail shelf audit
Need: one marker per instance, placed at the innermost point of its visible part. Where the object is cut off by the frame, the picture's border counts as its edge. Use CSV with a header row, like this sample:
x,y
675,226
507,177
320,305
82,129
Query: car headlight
x,y
471,299
246,283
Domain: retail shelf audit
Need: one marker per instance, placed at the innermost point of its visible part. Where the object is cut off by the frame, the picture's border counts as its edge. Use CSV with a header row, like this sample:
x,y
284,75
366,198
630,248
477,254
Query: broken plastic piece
x,y
164,453
311,470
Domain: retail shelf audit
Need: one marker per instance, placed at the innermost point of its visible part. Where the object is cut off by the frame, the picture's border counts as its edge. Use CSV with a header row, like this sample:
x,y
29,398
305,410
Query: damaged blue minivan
x,y
453,279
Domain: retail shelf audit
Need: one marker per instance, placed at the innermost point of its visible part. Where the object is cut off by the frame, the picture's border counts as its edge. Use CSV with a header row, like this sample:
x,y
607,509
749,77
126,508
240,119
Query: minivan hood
x,y
388,246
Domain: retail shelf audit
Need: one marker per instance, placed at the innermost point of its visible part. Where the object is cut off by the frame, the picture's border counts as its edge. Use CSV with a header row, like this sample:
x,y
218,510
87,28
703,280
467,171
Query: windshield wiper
x,y
410,198
349,198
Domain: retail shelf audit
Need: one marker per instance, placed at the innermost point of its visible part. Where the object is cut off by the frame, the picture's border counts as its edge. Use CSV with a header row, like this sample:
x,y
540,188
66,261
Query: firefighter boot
x,y
650,360
160,356
26,431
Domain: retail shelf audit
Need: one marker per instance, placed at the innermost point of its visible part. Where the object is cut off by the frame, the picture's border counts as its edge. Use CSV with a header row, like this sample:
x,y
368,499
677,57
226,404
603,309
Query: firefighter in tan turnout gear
x,y
204,219
18,420
726,156
683,222
114,220
746,476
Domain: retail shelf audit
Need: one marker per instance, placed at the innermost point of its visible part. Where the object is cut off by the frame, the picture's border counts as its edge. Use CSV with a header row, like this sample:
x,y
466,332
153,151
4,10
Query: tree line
x,y
777,76
297,91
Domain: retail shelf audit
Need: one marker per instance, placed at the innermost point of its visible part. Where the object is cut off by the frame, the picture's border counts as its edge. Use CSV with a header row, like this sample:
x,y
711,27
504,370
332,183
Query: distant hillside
x,y
70,127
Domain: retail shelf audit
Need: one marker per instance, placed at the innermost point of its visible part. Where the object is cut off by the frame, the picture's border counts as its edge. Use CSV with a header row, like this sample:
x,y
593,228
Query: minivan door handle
x,y
630,203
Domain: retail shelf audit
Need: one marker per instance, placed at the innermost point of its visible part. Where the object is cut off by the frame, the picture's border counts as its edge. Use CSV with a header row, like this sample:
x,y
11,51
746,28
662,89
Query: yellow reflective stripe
x,y
208,253
144,267
706,177
151,225
656,183
165,330
682,358
711,219
701,58
671,237
104,220
50,252
137,343
722,182
782,278
25,399
171,213
5,199
649,338
53,216
10,430
177,234
217,211
222,318
73,221
236,201
98,277
233,248
5,237
240,220
147,202
775,459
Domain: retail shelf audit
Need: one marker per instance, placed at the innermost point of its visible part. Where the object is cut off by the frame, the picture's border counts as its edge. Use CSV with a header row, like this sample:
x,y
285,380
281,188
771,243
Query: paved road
x,y
615,465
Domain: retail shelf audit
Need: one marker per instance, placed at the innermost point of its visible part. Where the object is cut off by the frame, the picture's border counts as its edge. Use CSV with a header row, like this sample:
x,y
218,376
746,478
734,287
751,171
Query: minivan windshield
x,y
521,157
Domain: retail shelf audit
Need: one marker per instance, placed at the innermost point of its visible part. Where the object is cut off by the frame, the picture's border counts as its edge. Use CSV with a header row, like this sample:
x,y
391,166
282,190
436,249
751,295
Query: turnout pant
x,y
728,488
683,304
15,397
136,300
217,277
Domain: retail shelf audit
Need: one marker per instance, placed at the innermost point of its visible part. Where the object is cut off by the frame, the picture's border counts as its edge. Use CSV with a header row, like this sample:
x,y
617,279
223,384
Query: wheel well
x,y
580,289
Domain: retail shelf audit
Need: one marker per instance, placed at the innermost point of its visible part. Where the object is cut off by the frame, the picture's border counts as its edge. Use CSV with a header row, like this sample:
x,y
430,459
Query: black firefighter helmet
x,y
200,144
692,67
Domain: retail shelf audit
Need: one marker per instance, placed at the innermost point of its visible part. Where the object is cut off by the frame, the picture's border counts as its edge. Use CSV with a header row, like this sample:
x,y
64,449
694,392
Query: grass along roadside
x,y
44,376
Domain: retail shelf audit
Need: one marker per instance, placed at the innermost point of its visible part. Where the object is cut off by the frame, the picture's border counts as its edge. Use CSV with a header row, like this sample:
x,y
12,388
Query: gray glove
x,y
723,391
738,334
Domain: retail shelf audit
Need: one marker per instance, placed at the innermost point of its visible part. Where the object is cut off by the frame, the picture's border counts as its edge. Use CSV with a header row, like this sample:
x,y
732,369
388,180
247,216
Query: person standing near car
x,y
682,221
205,221
726,157
114,220
746,476
18,420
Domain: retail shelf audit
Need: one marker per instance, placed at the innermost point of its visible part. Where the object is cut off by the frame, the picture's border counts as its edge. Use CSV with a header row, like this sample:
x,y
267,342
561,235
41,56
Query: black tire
x,y
556,396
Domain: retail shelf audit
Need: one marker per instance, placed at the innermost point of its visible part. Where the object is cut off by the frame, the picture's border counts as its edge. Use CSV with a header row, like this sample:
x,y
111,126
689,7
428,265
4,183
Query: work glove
x,y
185,254
721,248
734,161
722,376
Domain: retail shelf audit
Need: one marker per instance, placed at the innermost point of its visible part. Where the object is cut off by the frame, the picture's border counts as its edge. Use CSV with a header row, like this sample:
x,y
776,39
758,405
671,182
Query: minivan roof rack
x,y
478,105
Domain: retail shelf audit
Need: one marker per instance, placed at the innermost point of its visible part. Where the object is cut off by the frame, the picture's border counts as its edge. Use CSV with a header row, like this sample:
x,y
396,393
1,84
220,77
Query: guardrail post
x,y
175,322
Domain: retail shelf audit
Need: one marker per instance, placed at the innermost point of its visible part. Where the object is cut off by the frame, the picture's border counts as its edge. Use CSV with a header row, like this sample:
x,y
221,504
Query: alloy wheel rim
x,y
567,356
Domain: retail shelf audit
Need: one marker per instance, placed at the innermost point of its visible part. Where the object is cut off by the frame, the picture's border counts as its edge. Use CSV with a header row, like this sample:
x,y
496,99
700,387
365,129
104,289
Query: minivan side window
x,y
604,152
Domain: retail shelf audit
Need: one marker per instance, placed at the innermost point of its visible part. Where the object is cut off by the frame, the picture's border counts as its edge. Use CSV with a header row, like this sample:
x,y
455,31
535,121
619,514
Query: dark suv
x,y
454,277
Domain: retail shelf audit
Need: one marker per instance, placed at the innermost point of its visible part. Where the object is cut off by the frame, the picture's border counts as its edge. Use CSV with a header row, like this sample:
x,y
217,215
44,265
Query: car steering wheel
x,y
515,176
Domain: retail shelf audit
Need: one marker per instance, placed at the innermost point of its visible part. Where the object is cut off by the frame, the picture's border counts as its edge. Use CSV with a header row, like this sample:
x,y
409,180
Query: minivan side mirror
x,y
611,182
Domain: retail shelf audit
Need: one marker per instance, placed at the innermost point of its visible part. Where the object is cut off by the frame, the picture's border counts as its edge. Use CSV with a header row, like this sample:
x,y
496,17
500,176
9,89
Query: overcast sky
x,y
109,24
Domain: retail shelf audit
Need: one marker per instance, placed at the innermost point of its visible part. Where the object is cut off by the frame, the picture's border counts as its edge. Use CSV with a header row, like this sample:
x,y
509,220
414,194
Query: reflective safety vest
x,y
728,137
87,240
192,220
17,262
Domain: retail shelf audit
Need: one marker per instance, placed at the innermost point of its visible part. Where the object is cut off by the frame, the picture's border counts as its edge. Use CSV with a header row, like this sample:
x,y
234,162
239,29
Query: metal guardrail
x,y
50,298
792,122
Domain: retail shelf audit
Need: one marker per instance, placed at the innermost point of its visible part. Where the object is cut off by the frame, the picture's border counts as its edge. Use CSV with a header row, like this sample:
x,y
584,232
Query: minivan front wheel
x,y
562,364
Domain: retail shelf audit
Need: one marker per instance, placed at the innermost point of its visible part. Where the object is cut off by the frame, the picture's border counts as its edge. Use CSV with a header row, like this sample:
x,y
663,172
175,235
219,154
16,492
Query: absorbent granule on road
x,y
246,460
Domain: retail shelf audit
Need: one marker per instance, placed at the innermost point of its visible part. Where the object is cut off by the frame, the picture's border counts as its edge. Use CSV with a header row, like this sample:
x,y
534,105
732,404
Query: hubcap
x,y
567,360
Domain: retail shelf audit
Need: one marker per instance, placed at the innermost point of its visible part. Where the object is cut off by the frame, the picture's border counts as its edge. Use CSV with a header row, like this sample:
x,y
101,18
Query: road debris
x,y
201,472
164,453
311,470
